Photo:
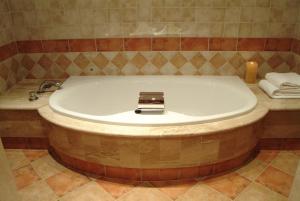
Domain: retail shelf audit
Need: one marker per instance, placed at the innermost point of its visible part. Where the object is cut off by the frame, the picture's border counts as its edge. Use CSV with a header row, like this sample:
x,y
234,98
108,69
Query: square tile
x,y
116,187
252,170
286,161
34,154
267,155
230,185
257,192
88,192
25,176
65,182
276,180
174,189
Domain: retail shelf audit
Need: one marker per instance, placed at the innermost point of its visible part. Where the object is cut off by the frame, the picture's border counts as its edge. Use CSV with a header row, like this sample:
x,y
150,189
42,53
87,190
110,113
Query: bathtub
x,y
188,99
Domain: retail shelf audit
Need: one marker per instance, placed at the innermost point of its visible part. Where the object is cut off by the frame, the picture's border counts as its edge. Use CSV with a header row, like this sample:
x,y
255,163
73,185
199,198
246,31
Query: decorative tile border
x,y
156,44
62,65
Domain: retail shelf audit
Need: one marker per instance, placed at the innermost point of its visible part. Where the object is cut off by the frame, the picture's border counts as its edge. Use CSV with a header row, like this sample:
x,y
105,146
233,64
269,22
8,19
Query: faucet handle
x,y
33,96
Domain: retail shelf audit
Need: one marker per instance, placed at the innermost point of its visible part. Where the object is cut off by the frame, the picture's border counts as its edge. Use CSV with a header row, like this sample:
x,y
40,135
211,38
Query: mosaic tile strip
x,y
62,65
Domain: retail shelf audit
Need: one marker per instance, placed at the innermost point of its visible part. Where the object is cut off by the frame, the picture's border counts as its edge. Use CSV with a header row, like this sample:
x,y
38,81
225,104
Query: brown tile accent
x,y
166,44
296,46
169,174
82,45
251,44
223,44
55,45
137,44
123,173
25,143
33,46
150,174
278,44
110,44
8,50
194,44
188,173
279,143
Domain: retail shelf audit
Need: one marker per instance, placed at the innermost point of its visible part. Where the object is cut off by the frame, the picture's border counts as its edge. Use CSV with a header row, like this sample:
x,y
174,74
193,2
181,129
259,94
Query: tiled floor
x,y
267,178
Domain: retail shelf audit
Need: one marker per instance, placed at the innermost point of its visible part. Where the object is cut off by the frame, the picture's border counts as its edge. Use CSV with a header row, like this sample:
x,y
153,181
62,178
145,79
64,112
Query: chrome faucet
x,y
48,84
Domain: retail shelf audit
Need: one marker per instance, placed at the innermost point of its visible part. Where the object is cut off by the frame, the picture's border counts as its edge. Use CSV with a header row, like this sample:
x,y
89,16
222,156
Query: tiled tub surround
x,y
92,148
144,56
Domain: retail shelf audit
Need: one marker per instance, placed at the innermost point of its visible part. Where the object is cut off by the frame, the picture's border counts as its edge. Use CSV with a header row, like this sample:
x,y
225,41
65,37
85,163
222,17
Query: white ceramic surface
x,y
188,99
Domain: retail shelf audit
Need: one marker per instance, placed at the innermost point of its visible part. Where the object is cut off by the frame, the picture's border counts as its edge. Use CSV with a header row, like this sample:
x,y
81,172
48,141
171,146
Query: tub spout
x,y
48,84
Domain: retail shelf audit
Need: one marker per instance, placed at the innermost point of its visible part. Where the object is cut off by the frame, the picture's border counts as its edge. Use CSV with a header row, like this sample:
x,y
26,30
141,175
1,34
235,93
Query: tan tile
x,y
198,60
257,192
139,60
34,154
88,192
159,60
37,191
16,158
202,192
218,60
120,60
174,189
252,170
286,161
115,187
178,60
46,167
230,185
25,176
276,180
145,193
100,60
81,61
65,182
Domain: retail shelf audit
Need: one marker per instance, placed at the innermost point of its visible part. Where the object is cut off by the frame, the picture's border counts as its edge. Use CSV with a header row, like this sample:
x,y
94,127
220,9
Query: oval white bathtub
x,y
188,99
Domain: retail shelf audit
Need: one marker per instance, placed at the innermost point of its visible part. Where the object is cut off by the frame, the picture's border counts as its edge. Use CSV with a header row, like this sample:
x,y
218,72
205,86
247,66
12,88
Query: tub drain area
x,y
151,103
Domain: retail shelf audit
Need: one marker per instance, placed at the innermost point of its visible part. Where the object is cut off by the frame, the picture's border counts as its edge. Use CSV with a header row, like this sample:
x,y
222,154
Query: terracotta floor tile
x,y
34,154
231,184
276,180
144,193
66,181
267,155
88,192
257,192
252,170
46,167
174,189
38,191
16,158
202,192
116,187
25,176
286,161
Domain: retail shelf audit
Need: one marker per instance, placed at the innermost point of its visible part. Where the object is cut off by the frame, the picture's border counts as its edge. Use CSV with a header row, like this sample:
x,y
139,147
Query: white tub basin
x,y
188,99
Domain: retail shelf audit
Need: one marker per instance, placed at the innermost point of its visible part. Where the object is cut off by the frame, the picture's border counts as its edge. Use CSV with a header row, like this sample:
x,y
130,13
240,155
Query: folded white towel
x,y
284,80
275,92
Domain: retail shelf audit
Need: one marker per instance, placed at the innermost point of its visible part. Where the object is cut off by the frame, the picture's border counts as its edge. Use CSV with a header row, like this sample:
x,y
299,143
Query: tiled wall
x,y
9,67
30,29
61,19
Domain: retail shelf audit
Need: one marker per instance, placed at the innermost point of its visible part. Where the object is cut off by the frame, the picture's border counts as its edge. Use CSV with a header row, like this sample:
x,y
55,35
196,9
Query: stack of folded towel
x,y
281,85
